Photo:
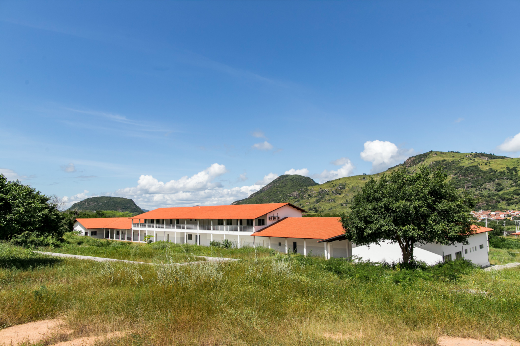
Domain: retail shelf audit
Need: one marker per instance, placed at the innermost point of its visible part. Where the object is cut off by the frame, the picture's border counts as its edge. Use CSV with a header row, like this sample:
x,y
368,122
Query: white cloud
x,y
70,168
341,161
242,177
263,146
200,181
459,120
383,154
344,171
267,179
303,171
68,201
11,175
258,134
511,145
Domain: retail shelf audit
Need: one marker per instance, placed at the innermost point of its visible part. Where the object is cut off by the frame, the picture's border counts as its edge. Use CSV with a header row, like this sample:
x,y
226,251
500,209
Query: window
x,y
249,222
447,258
279,243
190,237
481,246
86,233
220,222
458,255
229,222
260,222
93,233
295,247
240,222
177,221
465,251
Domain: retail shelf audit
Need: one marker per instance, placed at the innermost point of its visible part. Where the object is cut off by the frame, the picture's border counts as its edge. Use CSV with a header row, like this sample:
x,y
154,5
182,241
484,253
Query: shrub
x,y
227,244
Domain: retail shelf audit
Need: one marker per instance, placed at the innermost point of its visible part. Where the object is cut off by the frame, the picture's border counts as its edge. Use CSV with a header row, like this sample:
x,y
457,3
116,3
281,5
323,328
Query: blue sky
x,y
203,102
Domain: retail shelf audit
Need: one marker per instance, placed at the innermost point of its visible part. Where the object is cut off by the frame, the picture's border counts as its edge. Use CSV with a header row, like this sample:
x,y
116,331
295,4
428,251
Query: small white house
x,y
117,228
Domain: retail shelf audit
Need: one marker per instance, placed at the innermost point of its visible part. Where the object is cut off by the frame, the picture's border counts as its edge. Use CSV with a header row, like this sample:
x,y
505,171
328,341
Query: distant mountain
x,y
107,203
279,190
493,180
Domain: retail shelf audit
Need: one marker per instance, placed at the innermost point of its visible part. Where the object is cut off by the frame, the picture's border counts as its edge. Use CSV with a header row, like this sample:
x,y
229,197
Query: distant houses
x,y
496,215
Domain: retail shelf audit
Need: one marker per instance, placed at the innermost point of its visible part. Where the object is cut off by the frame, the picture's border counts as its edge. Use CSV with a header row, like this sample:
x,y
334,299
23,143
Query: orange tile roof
x,y
107,222
478,229
242,211
304,228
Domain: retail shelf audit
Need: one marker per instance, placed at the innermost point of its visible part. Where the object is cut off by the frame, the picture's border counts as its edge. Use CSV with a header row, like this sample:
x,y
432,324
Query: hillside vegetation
x,y
494,180
279,189
107,203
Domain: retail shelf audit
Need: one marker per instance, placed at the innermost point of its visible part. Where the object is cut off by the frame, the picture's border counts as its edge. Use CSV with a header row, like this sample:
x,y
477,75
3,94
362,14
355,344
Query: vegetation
x,y
107,203
275,300
27,216
153,252
422,207
493,180
279,190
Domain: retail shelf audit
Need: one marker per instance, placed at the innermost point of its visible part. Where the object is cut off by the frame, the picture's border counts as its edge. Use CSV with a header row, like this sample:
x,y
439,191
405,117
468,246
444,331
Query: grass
x,y
271,300
159,252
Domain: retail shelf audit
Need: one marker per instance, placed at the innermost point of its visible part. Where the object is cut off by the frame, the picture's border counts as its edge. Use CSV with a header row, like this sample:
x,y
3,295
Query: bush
x,y
33,240
227,244
504,243
215,243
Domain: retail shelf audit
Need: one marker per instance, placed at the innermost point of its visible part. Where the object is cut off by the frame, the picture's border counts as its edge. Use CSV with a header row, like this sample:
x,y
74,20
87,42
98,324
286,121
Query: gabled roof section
x,y
304,228
241,211
107,222
478,229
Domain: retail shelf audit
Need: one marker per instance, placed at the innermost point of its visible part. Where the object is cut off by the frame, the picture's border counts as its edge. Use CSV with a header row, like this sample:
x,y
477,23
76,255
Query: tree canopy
x,y
409,208
25,211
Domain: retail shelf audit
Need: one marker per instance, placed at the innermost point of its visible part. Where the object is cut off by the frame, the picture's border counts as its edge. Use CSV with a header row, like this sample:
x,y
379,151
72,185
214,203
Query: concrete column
x,y
185,223
305,247
286,248
198,225
139,235
120,234
330,249
154,235
175,239
269,242
238,241
185,237
212,225
211,237
198,236
325,249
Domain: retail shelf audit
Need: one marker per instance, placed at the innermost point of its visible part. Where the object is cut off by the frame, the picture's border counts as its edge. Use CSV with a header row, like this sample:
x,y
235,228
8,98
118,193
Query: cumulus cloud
x,y
344,171
511,144
383,154
258,134
147,184
11,175
341,161
303,171
70,168
263,146
68,201
267,179
242,177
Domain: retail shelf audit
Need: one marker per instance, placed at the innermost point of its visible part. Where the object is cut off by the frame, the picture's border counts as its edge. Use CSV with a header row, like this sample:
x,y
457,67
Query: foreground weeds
x,y
275,300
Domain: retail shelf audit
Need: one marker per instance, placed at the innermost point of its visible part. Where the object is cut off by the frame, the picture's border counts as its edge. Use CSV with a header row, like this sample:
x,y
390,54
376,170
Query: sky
x,y
204,102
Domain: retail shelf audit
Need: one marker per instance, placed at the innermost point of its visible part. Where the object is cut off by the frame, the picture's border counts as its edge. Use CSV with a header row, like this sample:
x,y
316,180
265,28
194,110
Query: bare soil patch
x,y
90,340
32,332
450,341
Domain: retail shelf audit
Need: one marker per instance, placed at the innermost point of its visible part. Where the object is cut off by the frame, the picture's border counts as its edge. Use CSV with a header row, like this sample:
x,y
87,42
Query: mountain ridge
x,y
107,203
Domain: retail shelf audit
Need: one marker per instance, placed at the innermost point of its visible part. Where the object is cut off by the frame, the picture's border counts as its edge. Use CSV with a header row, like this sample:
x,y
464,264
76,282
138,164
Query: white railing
x,y
221,228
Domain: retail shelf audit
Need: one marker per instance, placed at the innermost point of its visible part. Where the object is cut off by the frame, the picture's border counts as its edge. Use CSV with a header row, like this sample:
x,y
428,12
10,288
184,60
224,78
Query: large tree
x,y
409,208
23,210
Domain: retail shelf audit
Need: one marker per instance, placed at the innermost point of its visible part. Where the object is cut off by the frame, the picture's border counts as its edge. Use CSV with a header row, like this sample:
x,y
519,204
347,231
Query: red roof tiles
x,y
304,228
243,211
107,222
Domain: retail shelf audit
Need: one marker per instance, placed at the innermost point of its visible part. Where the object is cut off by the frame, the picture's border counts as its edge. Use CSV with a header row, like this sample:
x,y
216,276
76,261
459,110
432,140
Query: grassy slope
x,y
107,203
280,300
278,190
495,181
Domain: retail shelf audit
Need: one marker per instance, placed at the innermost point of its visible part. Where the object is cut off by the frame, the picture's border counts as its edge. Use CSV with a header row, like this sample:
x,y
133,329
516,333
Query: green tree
x,y
26,212
409,208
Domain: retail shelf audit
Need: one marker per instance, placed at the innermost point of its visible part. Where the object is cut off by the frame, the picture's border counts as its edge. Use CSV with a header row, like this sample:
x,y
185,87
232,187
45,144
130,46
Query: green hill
x,y
107,203
494,180
279,190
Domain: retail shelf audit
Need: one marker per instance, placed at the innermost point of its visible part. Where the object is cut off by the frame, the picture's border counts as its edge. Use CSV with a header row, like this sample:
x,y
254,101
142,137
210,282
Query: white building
x,y
278,226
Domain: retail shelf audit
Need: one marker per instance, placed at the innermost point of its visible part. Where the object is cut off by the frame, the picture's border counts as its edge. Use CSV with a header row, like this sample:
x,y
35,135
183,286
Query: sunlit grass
x,y
159,252
276,300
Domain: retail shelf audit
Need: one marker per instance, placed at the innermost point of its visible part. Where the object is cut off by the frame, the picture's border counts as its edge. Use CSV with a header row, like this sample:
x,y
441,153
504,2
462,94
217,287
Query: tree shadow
x,y
28,263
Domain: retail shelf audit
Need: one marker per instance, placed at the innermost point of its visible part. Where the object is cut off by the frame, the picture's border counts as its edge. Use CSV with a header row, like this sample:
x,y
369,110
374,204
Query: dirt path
x,y
449,341
103,259
502,266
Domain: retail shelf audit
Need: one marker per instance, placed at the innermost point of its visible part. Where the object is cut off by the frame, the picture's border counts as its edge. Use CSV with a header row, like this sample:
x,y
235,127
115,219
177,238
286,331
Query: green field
x,y
264,300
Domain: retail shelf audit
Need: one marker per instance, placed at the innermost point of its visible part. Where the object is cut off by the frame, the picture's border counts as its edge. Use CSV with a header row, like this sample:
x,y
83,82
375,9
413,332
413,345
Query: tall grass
x,y
159,252
276,300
